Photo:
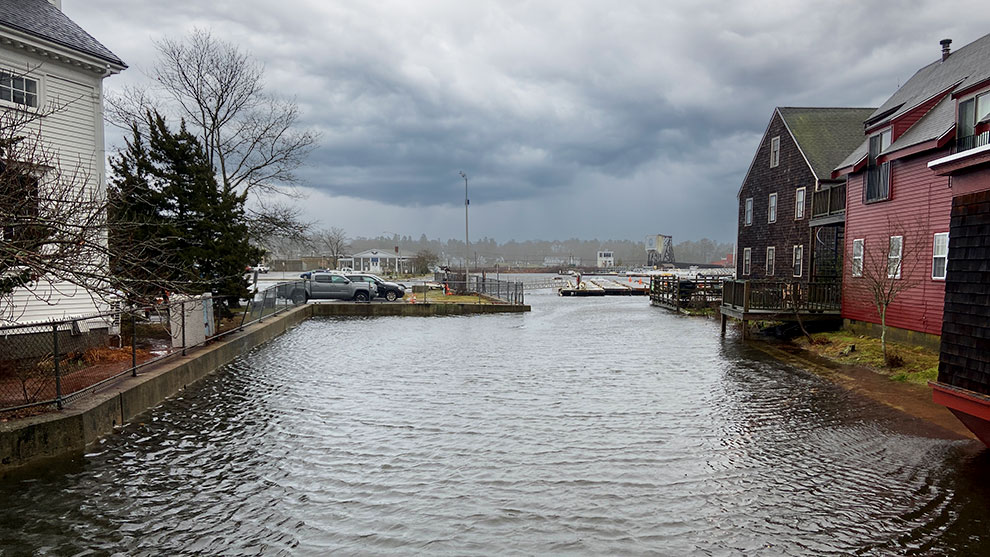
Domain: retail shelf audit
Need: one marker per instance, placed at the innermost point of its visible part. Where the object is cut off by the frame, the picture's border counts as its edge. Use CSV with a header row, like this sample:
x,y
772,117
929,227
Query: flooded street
x,y
590,426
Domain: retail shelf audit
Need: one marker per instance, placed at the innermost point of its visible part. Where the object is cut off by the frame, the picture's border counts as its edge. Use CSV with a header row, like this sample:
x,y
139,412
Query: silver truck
x,y
333,286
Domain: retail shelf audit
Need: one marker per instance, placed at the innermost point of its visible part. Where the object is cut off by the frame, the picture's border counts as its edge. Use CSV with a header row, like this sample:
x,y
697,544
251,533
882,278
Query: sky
x,y
571,118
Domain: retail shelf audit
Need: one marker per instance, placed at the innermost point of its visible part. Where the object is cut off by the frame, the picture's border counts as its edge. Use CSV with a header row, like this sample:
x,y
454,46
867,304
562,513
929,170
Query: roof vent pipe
x,y
945,48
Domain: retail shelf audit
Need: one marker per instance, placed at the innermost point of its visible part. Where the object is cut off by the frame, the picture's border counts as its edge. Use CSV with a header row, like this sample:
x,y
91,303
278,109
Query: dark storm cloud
x,y
549,106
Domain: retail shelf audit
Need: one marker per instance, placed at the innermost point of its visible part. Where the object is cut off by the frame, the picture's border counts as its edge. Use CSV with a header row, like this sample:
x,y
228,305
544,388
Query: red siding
x,y
910,118
917,197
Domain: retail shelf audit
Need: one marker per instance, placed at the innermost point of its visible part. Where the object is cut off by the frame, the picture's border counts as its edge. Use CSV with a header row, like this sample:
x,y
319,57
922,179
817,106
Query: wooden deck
x,y
674,293
780,300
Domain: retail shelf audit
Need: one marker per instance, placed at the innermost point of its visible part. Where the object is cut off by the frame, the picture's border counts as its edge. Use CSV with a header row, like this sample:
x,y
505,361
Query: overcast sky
x,y
571,118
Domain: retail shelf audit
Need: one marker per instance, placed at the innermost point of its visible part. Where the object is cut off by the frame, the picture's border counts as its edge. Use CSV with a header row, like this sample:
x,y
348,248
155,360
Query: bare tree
x,y
252,138
333,241
886,268
53,221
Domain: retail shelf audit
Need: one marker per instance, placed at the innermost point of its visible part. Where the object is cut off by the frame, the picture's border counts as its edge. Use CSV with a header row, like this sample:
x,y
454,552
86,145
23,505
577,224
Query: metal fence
x,y
492,290
43,366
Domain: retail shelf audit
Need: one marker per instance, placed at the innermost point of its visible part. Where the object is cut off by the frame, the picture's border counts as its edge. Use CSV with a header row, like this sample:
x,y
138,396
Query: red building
x,y
897,209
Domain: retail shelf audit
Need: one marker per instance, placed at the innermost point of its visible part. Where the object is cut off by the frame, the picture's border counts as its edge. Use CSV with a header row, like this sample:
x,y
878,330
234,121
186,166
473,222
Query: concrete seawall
x,y
58,434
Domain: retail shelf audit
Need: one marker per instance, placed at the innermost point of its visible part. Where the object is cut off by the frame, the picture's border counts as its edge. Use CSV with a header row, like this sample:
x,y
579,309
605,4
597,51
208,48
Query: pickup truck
x,y
333,286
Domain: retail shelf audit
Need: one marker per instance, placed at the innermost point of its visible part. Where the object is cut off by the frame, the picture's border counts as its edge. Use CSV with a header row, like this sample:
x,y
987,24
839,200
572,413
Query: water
x,y
587,427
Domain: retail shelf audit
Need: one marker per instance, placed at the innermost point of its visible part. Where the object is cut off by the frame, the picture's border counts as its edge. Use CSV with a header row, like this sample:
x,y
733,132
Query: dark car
x,y
389,290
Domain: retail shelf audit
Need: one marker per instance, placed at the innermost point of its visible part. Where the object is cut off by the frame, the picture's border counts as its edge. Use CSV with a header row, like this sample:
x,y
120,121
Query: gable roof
x,y
934,124
39,18
962,69
825,136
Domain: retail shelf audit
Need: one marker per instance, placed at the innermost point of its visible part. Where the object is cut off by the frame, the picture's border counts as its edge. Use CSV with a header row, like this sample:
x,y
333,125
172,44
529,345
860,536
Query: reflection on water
x,y
589,426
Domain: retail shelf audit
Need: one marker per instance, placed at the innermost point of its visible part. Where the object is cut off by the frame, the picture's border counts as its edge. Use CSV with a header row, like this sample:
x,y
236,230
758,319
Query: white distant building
x,y
606,259
48,60
379,261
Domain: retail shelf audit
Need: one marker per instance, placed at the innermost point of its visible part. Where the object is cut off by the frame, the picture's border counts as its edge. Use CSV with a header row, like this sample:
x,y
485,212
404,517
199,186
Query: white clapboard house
x,y
47,58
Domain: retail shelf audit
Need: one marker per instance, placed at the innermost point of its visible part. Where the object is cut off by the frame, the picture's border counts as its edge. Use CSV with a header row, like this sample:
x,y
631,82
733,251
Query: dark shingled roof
x,y
43,20
963,68
825,135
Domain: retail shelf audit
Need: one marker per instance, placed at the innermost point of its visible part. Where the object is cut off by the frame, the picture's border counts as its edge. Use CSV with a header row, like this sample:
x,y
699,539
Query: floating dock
x,y
605,287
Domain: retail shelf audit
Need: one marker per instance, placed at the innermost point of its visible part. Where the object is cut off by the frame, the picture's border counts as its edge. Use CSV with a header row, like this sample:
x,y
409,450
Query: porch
x,y
780,300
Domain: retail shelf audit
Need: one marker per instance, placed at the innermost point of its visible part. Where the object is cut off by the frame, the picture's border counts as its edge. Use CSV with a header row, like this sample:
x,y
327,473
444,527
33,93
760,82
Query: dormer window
x,y
973,128
877,174
775,151
18,89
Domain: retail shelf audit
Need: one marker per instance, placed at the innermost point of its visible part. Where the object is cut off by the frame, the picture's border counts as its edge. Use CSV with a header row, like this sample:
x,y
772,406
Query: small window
x,y
322,278
798,260
940,255
747,260
772,208
894,257
799,198
775,151
748,218
771,256
857,258
18,89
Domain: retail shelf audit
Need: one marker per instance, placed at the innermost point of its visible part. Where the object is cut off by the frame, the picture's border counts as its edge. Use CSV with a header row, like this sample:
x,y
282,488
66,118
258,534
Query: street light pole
x,y
467,245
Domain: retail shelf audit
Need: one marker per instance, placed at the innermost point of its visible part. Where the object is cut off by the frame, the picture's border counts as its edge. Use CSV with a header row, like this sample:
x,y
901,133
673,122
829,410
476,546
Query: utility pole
x,y
467,245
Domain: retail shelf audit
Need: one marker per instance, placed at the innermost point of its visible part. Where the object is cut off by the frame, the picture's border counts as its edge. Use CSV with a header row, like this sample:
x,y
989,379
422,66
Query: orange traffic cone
x,y
412,299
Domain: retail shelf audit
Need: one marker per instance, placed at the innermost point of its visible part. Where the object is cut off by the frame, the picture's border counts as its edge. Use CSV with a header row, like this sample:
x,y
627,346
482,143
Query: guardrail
x,y
782,297
43,366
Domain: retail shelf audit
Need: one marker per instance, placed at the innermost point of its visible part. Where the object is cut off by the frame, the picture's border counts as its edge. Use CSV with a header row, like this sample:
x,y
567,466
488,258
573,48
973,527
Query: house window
x,y
798,260
771,257
973,128
877,174
857,258
18,89
19,207
775,152
748,218
894,257
747,260
940,255
772,210
799,197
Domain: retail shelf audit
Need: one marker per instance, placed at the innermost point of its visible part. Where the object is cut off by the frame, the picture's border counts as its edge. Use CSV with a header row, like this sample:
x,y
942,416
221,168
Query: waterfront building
x,y
787,229
52,68
606,259
379,261
897,209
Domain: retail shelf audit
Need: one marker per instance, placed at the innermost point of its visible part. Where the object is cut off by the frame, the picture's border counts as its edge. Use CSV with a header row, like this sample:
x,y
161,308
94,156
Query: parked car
x,y
333,286
309,274
259,268
388,290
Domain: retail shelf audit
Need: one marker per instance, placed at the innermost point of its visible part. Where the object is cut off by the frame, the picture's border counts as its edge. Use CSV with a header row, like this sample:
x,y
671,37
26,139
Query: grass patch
x,y
905,362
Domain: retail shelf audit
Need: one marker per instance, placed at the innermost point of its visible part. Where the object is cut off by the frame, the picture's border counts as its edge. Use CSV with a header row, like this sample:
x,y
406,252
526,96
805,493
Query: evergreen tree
x,y
166,182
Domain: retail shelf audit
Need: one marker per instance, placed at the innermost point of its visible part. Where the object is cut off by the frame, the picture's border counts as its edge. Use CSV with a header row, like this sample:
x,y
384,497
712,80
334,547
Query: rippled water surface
x,y
589,426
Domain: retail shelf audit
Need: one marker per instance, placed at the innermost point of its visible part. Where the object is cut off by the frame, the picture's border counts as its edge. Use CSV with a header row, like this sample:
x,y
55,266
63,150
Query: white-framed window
x,y
774,151
857,258
748,212
896,247
798,260
771,257
772,208
747,260
940,255
18,89
800,196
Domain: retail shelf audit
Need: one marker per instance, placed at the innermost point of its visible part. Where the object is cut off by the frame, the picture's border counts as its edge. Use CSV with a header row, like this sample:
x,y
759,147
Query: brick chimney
x,y
945,48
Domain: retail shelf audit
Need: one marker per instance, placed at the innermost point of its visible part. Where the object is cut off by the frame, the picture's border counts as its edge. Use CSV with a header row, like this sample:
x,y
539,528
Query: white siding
x,y
75,135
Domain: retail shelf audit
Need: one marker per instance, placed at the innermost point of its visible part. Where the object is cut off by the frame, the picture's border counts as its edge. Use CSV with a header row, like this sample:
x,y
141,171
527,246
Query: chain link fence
x,y
44,366
489,289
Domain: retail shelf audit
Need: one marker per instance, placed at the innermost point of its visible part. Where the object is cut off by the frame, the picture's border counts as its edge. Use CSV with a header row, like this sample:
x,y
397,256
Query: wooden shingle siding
x,y
791,173
965,353
919,202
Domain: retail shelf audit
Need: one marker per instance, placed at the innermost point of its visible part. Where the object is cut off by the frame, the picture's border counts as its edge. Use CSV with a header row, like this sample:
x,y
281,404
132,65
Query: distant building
x,y
606,259
379,261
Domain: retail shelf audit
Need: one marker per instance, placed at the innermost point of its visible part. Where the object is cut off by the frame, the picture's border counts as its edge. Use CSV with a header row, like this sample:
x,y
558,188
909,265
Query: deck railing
x,y
675,293
779,296
829,201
